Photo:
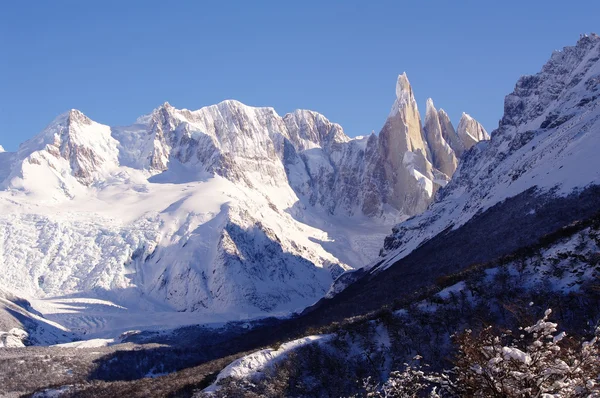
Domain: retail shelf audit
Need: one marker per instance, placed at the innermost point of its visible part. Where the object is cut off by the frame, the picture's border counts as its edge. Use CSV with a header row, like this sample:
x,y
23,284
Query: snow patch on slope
x,y
253,366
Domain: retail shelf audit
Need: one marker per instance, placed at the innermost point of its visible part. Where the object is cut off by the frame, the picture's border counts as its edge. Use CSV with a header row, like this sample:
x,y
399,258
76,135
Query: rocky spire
x,y
405,110
405,154
449,134
443,157
470,131
87,146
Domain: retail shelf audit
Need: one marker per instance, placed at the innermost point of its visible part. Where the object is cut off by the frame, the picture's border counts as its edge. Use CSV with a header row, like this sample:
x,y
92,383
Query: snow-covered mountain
x,y
537,174
547,139
226,211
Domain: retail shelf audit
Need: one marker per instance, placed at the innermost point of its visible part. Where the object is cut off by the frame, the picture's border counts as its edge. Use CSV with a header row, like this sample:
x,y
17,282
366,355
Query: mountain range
x,y
227,212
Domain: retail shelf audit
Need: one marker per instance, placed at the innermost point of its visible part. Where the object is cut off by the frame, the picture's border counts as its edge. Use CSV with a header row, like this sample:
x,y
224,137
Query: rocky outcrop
x,y
413,162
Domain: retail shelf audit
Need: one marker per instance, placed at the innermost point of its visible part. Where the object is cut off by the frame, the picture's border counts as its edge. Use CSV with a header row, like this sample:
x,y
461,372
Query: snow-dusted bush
x,y
413,381
536,361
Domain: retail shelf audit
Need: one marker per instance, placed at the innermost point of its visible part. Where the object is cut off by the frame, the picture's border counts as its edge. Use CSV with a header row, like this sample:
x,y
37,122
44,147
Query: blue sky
x,y
116,60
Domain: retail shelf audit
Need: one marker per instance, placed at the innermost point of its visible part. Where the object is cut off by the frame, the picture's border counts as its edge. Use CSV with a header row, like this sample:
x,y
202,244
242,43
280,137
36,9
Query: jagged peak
x,y
468,120
570,54
2,149
75,116
430,109
585,38
67,117
466,117
566,70
307,113
232,104
164,107
335,131
404,95
403,86
303,112
444,115
74,112
66,123
585,43
228,104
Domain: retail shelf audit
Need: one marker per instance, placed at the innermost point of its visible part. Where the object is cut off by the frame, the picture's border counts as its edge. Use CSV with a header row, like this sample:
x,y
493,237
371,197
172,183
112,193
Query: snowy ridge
x,y
548,139
253,366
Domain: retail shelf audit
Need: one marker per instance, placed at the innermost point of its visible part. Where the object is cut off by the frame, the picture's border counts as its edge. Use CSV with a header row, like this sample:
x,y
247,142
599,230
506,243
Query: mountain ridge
x,y
175,212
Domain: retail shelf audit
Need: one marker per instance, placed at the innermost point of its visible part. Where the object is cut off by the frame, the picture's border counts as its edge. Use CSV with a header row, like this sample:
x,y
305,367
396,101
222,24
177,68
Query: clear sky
x,y
116,60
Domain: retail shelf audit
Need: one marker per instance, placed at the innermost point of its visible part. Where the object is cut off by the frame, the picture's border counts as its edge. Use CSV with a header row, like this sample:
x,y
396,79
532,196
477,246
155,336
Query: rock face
x,y
228,209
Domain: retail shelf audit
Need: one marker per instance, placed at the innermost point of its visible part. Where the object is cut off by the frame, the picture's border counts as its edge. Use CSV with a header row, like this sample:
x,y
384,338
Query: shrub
x,y
537,361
